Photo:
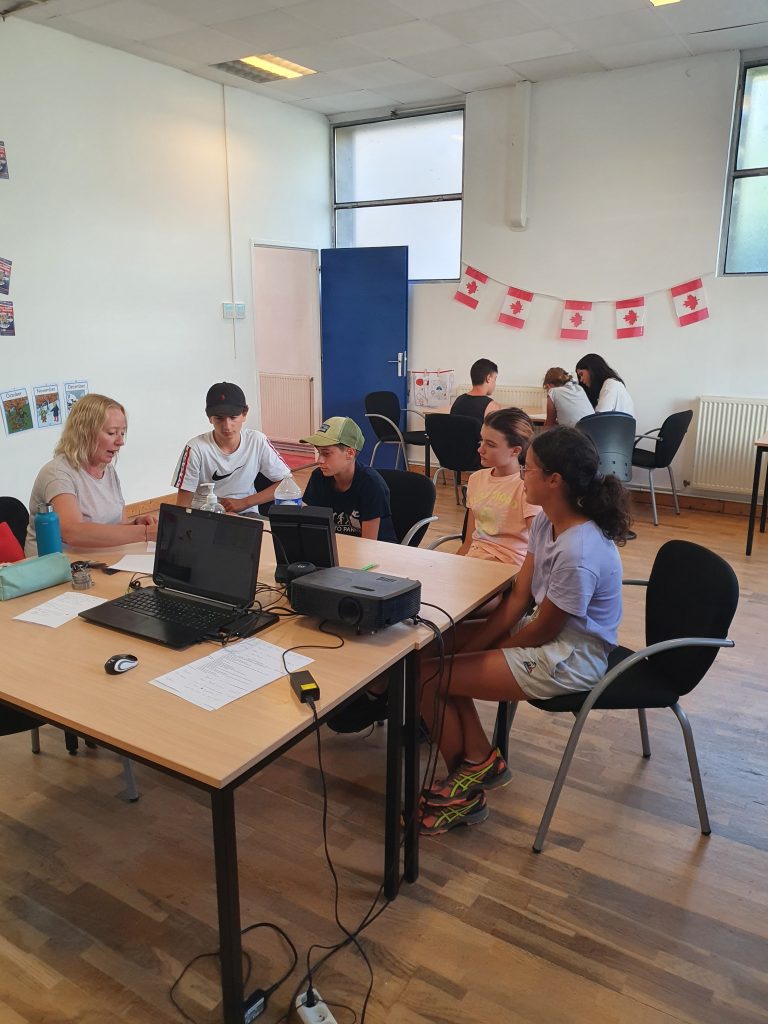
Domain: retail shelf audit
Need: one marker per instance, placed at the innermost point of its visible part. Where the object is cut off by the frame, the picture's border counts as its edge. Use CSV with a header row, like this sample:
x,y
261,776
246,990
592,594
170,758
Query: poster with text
x,y
5,276
3,161
73,392
17,412
47,405
7,323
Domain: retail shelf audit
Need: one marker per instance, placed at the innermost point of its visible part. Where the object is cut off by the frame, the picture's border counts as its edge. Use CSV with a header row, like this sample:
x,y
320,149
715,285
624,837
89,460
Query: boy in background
x,y
477,402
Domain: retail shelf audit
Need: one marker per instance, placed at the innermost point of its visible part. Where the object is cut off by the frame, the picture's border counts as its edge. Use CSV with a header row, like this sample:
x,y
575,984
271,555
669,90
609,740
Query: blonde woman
x,y
81,483
567,401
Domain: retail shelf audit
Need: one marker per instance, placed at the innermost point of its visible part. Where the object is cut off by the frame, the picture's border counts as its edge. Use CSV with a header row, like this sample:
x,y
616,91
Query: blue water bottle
x,y
47,530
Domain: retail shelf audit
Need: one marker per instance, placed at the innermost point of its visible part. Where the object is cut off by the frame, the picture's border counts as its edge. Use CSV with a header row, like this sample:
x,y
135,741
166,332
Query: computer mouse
x,y
120,663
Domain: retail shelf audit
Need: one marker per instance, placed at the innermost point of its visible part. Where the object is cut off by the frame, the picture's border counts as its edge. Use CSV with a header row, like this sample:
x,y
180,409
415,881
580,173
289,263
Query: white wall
x,y
626,177
117,219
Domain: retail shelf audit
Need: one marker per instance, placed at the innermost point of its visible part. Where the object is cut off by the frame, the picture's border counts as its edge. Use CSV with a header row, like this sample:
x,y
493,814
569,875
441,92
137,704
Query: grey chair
x,y
614,437
383,411
412,502
691,599
667,440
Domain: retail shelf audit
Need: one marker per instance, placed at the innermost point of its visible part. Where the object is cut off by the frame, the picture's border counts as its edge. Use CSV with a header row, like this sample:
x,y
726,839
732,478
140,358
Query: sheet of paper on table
x,y
230,673
136,563
59,609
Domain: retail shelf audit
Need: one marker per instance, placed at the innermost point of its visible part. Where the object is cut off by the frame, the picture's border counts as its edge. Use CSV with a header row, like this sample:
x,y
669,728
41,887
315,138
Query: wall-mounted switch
x,y
228,310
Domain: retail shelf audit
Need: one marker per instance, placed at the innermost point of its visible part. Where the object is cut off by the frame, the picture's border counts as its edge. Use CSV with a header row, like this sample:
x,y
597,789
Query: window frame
x,y
458,108
735,175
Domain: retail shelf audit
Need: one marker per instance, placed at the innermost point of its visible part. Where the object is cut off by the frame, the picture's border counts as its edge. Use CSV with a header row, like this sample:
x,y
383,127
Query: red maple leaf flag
x,y
630,318
577,319
690,302
515,308
470,286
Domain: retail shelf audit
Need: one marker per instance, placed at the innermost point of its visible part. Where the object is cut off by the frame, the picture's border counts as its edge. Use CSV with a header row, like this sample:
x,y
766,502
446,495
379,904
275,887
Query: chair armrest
x,y
647,652
650,434
442,540
634,583
416,527
379,416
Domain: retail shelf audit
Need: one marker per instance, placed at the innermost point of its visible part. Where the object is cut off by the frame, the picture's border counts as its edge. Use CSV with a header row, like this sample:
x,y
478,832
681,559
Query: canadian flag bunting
x,y
469,288
630,318
577,318
690,302
515,308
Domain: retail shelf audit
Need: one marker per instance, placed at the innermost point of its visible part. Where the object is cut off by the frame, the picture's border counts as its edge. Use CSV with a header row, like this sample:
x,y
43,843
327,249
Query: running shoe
x,y
469,811
469,778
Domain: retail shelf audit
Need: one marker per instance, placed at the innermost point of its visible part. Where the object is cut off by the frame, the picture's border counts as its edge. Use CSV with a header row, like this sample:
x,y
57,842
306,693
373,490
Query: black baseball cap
x,y
225,400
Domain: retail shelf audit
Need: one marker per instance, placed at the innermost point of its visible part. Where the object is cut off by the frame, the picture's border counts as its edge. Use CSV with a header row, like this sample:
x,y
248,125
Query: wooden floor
x,y
629,915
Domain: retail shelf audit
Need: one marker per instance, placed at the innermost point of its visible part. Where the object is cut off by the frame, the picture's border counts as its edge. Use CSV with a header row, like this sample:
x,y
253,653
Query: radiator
x,y
726,430
287,406
530,399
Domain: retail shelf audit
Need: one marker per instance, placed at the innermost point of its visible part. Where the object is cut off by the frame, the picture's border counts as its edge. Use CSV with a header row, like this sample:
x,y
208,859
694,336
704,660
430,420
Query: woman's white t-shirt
x,y
614,397
571,403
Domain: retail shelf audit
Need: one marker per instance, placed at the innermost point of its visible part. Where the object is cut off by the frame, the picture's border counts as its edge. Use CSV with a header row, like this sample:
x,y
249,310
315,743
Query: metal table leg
x,y
393,802
412,773
753,503
228,899
765,501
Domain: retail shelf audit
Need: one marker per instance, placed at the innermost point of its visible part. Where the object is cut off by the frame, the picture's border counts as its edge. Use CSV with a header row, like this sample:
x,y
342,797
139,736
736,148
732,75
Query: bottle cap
x,y
44,507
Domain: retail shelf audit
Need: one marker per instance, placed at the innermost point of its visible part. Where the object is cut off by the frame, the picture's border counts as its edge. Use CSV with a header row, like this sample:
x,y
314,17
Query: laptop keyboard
x,y
158,605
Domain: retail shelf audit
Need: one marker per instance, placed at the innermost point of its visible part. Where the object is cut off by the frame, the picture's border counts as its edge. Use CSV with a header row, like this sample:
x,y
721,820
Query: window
x,y
399,182
746,229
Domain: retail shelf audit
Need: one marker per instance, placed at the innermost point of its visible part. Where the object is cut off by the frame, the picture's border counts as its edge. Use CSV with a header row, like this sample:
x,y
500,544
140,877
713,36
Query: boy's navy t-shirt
x,y
367,498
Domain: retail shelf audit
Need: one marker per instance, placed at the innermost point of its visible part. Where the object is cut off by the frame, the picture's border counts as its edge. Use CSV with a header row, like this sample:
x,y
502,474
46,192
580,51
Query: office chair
x,y
667,440
451,536
382,409
690,601
412,502
14,512
454,440
614,437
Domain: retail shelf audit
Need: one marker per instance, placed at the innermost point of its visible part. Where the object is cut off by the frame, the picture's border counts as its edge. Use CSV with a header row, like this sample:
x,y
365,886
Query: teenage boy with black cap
x,y
230,456
358,495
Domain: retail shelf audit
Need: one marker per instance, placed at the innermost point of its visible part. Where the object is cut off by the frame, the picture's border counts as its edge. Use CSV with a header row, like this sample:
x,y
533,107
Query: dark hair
x,y
603,499
599,372
515,425
557,376
481,369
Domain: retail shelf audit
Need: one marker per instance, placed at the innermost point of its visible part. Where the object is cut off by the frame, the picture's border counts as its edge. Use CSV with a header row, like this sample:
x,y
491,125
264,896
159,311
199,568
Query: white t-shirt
x,y
99,501
614,397
571,403
233,475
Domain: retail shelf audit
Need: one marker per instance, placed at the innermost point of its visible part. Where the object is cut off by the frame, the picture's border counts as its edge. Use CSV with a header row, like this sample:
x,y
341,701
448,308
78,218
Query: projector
x,y
366,600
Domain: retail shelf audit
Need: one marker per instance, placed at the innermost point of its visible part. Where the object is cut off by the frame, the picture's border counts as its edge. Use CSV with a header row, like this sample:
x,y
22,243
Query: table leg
x,y
765,501
753,503
412,769
228,899
393,801
427,466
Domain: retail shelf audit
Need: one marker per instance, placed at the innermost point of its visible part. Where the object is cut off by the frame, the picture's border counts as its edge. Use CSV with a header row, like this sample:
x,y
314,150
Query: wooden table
x,y
58,676
761,446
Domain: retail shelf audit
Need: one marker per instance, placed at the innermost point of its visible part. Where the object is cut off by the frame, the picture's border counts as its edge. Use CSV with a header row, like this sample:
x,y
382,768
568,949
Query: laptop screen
x,y
208,554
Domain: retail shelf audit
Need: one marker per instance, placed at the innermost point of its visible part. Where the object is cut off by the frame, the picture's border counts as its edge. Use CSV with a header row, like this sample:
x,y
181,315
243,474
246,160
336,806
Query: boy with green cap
x,y
357,494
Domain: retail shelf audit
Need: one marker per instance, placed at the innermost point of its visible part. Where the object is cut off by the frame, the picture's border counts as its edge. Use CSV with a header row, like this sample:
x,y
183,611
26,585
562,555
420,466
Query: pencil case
x,y
33,574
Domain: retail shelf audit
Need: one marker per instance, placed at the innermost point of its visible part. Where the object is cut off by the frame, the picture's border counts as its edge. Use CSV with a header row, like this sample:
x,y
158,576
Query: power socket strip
x,y
317,1014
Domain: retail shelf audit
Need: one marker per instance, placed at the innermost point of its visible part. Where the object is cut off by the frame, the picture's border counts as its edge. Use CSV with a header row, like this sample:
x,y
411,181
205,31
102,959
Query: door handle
x,y
402,362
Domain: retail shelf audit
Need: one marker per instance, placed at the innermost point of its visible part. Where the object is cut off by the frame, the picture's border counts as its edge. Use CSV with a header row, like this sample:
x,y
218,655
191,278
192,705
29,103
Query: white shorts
x,y
571,663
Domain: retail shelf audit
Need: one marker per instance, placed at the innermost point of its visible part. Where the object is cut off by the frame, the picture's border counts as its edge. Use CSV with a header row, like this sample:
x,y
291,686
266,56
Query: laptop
x,y
205,574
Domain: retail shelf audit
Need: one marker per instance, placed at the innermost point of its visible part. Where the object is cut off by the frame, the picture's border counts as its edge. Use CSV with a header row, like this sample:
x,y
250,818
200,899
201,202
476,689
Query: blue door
x,y
364,315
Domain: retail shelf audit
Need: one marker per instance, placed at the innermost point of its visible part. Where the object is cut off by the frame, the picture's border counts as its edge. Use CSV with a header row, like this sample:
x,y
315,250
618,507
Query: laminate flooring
x,y
629,916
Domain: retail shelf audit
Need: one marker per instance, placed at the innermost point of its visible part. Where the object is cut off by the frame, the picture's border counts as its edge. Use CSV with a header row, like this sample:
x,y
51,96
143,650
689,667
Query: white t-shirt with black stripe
x,y
232,475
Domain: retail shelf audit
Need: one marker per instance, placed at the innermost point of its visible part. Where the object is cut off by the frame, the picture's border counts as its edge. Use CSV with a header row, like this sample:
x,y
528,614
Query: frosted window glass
x,y
415,156
432,232
747,251
753,137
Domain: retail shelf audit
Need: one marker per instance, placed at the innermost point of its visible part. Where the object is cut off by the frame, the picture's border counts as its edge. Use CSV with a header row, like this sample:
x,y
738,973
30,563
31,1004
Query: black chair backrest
x,y
614,437
454,440
411,498
691,592
673,430
385,403
14,512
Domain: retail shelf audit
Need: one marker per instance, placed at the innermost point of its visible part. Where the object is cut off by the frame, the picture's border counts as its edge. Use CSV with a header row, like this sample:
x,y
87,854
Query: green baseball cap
x,y
337,430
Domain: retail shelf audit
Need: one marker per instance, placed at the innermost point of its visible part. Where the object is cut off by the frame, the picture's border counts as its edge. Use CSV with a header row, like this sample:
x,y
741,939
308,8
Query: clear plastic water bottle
x,y
288,492
205,499
47,530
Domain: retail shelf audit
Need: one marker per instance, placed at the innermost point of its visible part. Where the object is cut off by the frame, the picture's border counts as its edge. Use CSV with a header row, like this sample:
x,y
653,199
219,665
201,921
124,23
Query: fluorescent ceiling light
x,y
661,3
276,66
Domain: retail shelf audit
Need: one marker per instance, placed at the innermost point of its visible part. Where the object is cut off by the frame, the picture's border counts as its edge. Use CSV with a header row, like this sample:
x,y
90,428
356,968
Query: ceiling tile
x,y
403,40
291,90
714,14
430,8
439,63
211,12
92,34
557,67
647,51
348,102
557,12
273,31
531,46
348,17
330,55
614,30
489,78
423,92
202,45
376,76
54,9
728,39
132,19
489,22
